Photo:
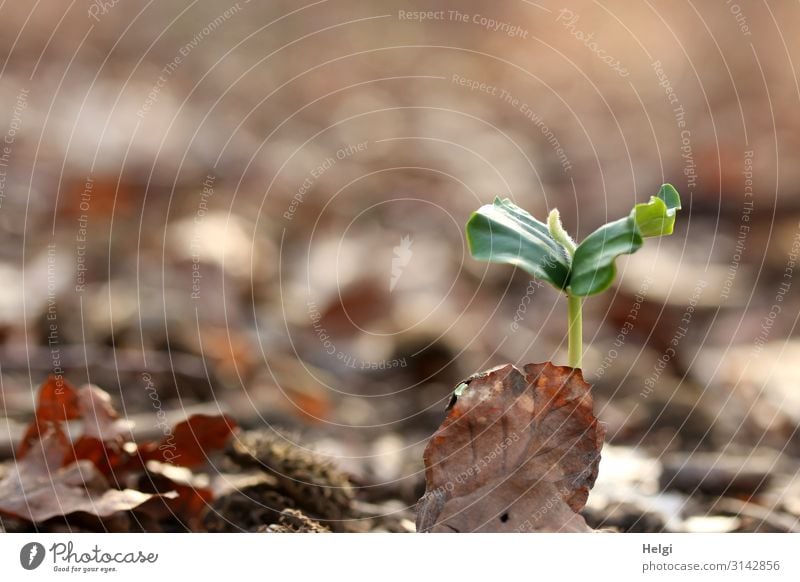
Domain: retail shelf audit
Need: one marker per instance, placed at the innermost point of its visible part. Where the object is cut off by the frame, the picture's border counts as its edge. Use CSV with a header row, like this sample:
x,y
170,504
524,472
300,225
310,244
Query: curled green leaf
x,y
505,233
657,217
593,268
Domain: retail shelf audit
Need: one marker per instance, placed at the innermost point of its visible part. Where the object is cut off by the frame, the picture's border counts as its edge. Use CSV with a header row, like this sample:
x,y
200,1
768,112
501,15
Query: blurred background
x,y
260,209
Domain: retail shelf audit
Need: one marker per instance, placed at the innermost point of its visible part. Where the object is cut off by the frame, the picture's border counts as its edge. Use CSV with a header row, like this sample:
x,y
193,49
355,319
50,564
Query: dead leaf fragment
x,y
518,451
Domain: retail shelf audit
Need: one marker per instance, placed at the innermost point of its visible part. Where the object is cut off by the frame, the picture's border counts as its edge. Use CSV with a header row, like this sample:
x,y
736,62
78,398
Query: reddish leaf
x,y
104,433
57,403
38,487
105,458
191,441
518,451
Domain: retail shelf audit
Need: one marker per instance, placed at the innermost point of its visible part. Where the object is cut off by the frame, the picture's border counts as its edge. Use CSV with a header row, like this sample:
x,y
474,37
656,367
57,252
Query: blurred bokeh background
x,y
260,206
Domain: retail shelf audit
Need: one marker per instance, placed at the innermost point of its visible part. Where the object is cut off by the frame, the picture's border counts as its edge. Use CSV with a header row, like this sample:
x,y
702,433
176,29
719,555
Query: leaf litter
x,y
56,475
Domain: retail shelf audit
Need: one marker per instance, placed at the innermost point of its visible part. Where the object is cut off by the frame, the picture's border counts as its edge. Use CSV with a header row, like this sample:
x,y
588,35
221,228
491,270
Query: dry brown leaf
x,y
518,451
38,487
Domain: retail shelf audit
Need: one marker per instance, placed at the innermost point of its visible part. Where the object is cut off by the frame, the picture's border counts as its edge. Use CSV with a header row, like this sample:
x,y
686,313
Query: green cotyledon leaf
x,y
503,232
593,268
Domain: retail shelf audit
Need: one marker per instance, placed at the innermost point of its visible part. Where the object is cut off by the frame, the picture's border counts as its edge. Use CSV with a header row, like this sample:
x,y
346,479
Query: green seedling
x,y
503,232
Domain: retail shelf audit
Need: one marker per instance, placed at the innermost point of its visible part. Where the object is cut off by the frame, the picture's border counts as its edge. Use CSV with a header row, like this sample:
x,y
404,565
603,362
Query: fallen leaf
x,y
356,306
38,487
100,420
518,451
232,352
57,403
111,197
190,441
104,432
